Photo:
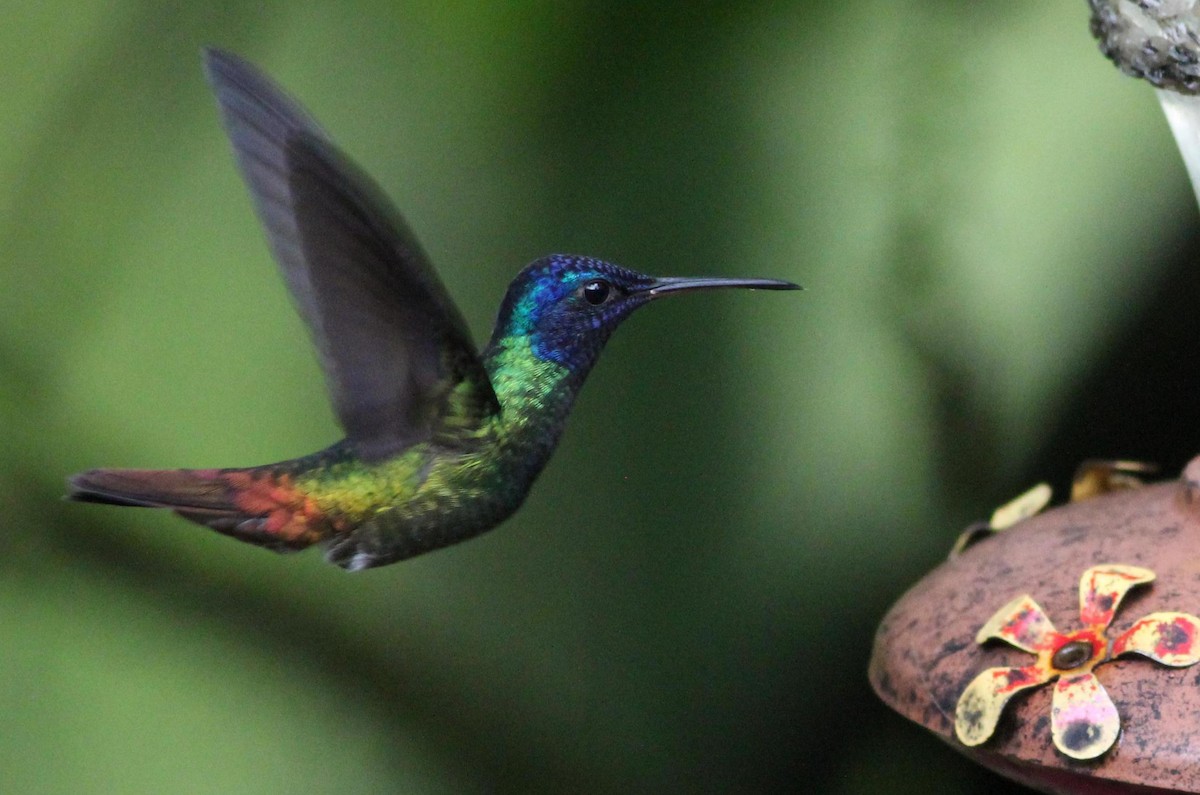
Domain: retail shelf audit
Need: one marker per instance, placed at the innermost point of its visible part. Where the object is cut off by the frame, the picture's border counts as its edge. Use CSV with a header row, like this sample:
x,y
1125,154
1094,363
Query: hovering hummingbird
x,y
442,443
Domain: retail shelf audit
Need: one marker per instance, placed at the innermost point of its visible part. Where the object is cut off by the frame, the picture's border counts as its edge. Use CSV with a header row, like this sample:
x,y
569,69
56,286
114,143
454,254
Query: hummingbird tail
x,y
248,504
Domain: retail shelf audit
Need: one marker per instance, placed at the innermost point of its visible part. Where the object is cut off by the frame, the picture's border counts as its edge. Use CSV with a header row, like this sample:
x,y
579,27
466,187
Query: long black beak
x,y
676,284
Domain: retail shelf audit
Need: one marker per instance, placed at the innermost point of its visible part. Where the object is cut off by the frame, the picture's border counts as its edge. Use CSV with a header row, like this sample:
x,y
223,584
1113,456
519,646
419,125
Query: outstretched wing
x,y
391,342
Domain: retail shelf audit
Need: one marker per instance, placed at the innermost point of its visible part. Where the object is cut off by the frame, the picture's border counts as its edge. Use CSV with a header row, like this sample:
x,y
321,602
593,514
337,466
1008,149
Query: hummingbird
x,y
442,442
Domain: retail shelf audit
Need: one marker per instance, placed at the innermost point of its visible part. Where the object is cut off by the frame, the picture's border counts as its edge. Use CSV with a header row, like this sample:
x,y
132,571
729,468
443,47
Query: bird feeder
x,y
1061,651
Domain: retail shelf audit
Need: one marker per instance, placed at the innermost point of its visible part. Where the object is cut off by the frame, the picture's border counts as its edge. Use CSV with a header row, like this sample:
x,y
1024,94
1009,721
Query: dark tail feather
x,y
178,489
202,496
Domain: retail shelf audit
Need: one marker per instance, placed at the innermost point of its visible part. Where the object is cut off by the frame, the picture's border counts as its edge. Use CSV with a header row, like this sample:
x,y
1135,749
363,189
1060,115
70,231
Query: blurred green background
x,y
996,235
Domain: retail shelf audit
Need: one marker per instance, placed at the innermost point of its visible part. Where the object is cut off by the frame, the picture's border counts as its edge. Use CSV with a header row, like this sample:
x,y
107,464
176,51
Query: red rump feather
x,y
252,505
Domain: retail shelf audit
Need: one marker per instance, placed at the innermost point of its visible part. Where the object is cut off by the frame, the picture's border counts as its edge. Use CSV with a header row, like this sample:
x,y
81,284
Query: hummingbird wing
x,y
396,353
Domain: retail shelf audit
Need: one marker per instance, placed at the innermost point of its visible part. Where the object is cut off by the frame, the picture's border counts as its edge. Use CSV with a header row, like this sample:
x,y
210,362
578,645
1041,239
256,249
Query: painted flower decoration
x,y
1083,719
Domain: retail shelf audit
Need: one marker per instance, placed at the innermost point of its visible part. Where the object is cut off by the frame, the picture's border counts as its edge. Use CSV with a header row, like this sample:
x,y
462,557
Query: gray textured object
x,y
1159,41
1156,40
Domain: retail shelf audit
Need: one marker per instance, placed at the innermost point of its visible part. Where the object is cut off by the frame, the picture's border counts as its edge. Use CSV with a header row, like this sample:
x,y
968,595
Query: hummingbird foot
x,y
351,555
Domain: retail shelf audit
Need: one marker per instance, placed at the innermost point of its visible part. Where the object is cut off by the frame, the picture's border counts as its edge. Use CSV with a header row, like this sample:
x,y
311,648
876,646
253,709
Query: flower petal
x,y
1023,507
1022,623
980,705
1097,476
1168,638
1101,589
1083,719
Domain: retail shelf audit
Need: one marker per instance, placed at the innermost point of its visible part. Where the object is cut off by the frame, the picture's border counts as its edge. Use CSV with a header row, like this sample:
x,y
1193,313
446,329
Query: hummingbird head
x,y
568,306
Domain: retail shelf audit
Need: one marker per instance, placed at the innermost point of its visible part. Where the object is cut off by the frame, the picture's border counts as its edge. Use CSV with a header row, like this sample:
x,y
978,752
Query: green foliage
x,y
976,201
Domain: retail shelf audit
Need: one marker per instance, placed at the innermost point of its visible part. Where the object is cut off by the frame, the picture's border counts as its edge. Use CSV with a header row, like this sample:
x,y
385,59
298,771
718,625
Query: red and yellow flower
x,y
1083,719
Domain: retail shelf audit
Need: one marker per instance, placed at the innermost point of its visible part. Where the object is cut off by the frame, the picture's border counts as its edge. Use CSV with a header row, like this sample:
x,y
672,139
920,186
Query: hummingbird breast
x,y
430,496
451,488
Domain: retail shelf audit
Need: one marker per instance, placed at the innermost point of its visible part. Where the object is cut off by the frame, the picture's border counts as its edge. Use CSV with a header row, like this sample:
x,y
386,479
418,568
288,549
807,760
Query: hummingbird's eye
x,y
596,292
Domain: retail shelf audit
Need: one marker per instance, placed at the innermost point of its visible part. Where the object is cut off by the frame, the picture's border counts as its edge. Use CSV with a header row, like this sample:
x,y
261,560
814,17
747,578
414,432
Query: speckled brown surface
x,y
925,653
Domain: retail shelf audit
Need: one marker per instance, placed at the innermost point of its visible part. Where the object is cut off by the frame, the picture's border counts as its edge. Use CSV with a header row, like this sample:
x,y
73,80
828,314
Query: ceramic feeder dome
x,y
1060,652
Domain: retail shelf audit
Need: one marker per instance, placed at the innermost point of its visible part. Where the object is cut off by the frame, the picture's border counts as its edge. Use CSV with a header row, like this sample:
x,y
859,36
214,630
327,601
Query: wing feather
x,y
391,342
